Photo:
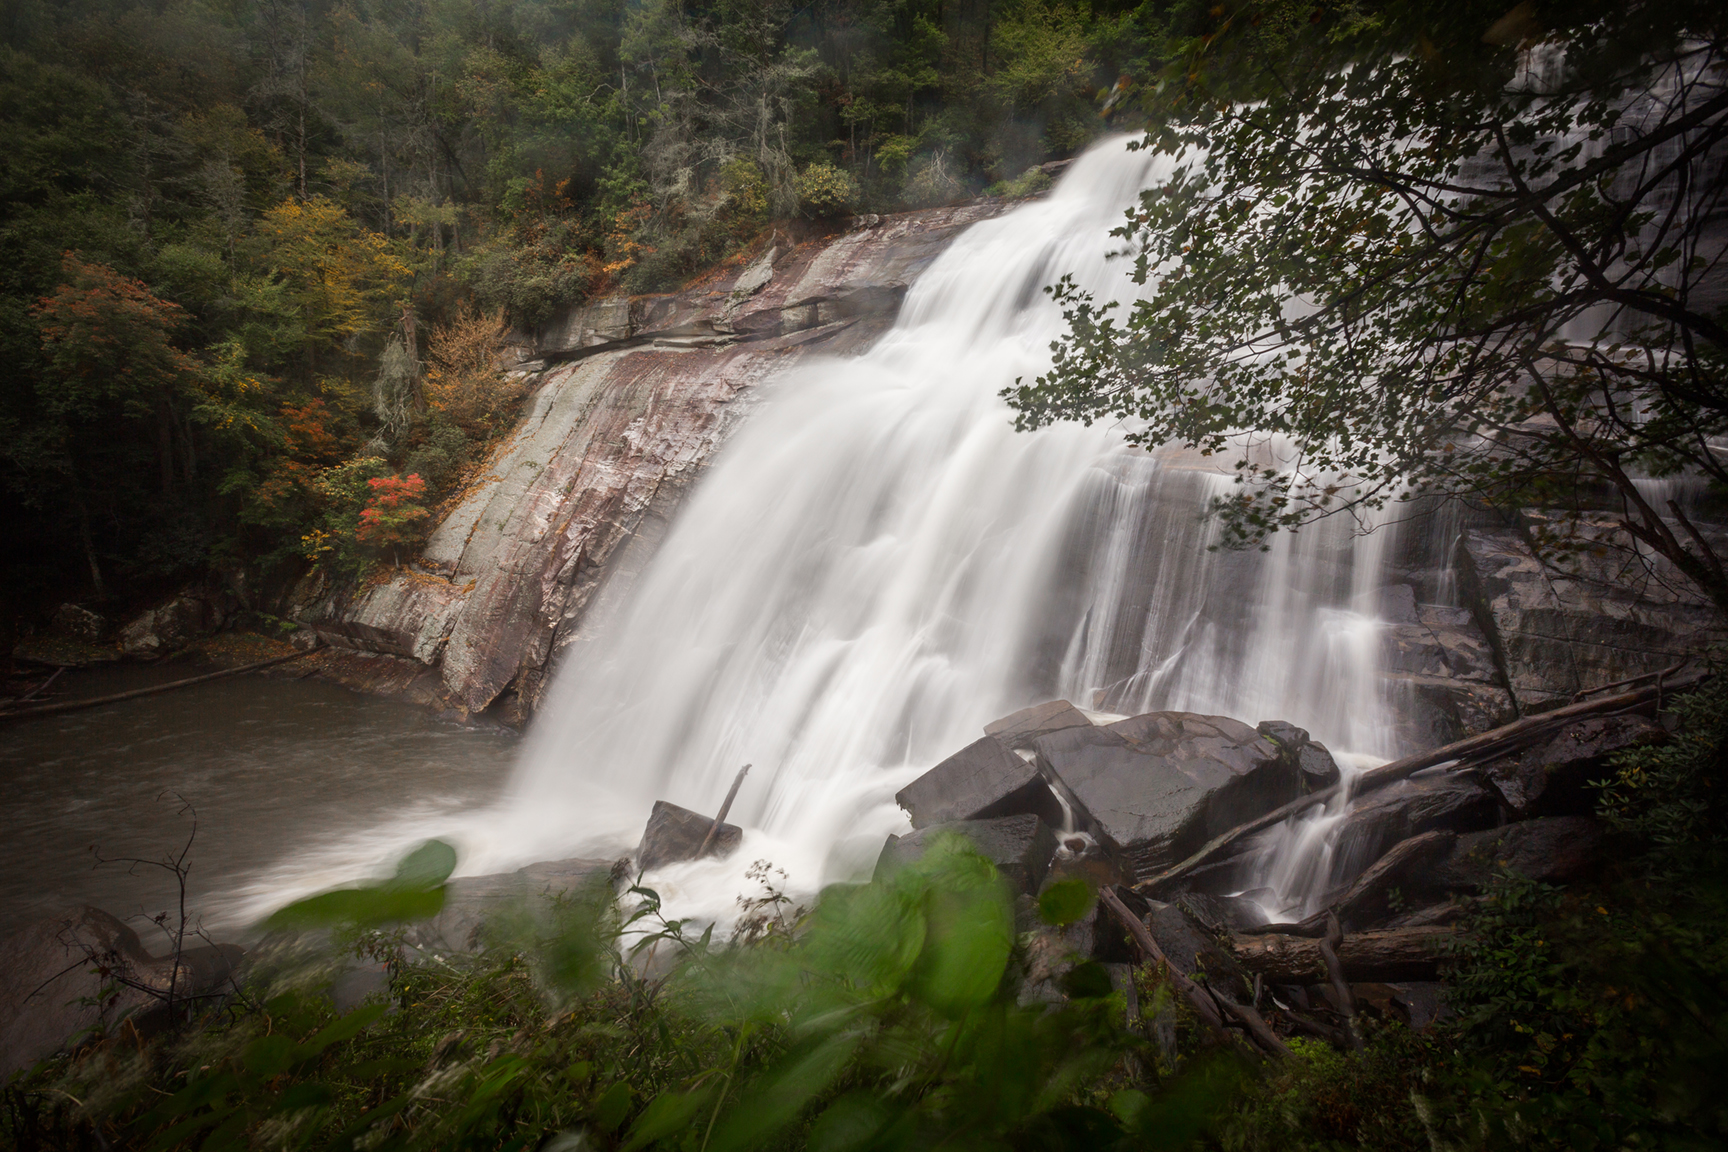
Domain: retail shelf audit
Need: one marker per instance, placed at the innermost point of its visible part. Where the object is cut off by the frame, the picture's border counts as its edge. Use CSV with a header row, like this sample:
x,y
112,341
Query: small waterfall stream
x,y
878,564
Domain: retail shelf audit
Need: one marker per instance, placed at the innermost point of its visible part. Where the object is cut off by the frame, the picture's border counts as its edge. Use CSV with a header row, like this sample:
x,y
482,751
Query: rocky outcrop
x,y
65,975
1605,617
675,833
1021,847
1156,787
630,398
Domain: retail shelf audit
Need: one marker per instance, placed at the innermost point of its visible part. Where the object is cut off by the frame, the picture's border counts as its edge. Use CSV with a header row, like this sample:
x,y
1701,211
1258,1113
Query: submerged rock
x,y
1019,846
675,833
1156,787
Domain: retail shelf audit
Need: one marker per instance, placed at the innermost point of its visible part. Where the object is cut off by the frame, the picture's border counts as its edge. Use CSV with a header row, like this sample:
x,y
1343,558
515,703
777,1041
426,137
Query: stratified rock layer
x,y
630,399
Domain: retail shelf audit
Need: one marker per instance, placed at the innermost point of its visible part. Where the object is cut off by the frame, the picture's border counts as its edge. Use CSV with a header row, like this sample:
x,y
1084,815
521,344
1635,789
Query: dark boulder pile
x,y
1169,813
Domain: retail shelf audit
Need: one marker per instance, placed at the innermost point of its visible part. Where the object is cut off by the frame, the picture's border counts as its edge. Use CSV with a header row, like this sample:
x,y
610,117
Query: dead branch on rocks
x,y
1205,1006
1489,745
1380,954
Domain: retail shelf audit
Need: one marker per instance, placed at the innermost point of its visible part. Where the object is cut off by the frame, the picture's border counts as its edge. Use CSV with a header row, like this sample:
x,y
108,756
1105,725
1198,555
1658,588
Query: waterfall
x,y
877,565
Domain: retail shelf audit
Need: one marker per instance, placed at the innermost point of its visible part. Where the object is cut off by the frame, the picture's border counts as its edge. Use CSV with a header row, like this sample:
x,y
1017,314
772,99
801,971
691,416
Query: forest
x,y
258,259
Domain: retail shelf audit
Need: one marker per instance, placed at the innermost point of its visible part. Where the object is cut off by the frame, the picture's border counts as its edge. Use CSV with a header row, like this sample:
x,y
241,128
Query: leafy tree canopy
x,y
1436,249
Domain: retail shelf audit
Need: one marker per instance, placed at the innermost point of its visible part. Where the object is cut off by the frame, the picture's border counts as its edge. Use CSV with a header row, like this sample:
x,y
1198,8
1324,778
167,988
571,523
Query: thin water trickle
x,y
877,565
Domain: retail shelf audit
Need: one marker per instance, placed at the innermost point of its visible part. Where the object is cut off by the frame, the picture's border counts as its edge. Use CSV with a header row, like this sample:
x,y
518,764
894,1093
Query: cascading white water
x,y
877,565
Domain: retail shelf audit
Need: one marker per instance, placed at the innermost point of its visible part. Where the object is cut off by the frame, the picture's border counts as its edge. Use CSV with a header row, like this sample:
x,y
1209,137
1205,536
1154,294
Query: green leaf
x,y
612,1107
775,1101
669,1112
969,930
850,1124
869,935
427,866
1066,902
346,1028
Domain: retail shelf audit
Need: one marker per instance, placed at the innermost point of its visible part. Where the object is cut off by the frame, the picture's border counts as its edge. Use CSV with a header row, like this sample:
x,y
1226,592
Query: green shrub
x,y
824,190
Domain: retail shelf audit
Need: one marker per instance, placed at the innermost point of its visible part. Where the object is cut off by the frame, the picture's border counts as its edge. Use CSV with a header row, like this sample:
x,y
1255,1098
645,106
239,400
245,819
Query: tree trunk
x,y
1388,954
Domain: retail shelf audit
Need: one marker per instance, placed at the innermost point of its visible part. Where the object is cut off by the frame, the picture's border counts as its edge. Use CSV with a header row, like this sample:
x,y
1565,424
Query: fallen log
x,y
1483,746
1386,954
97,701
1197,997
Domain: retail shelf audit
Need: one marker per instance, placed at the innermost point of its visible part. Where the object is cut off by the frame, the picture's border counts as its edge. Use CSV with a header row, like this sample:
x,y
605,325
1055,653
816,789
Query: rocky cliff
x,y
630,397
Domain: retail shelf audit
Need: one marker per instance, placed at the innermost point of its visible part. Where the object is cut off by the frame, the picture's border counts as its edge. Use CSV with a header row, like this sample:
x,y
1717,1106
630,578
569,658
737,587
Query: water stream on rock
x,y
877,565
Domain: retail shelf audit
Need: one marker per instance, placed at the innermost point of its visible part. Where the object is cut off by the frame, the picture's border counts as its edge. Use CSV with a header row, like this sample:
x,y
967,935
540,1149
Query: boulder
x,y
981,781
1311,759
471,902
1156,787
78,622
1019,846
1552,779
1410,865
1192,948
675,833
50,990
1427,802
1224,913
1019,729
162,630
1552,850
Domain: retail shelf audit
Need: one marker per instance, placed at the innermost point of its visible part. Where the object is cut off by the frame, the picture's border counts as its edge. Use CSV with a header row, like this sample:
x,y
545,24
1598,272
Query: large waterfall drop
x,y
877,565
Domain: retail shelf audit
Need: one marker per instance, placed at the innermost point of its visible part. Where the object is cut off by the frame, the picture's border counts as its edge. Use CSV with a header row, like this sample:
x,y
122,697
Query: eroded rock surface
x,y
1019,846
1606,618
1158,786
630,399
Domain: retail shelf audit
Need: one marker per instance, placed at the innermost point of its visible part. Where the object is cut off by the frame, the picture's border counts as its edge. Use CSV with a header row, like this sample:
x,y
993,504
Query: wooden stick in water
x,y
74,705
720,819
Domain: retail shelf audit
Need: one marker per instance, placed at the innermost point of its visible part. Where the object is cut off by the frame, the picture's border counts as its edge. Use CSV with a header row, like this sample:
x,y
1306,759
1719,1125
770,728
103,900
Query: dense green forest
x,y
255,256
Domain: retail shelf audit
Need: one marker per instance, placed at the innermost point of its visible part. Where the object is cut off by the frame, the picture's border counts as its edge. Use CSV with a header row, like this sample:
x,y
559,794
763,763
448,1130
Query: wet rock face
x,y
1553,778
1019,846
1441,801
1020,729
630,399
675,833
1156,787
982,780
1555,633
1552,850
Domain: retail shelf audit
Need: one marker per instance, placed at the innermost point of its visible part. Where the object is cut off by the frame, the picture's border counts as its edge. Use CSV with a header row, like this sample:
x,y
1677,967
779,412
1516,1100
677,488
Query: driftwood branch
x,y
1384,954
1484,746
41,688
1190,991
720,818
96,701
1335,971
1206,1005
